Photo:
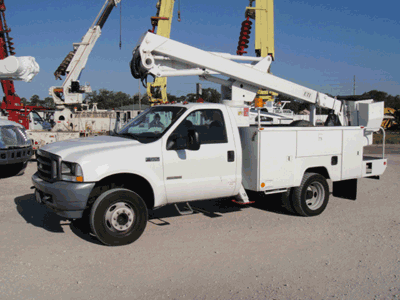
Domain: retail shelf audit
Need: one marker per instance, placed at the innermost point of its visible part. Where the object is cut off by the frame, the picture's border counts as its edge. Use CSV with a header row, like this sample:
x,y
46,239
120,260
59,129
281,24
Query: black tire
x,y
118,217
286,199
301,123
20,168
312,196
17,169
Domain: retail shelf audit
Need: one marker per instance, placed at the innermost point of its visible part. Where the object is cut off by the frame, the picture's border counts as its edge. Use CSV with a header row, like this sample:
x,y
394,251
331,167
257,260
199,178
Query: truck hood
x,y
71,150
4,122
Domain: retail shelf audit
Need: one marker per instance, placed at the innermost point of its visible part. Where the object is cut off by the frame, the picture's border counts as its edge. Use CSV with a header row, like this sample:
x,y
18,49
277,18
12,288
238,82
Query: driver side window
x,y
209,123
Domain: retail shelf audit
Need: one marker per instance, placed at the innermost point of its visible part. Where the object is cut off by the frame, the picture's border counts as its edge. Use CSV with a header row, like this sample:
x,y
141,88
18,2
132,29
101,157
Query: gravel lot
x,y
223,251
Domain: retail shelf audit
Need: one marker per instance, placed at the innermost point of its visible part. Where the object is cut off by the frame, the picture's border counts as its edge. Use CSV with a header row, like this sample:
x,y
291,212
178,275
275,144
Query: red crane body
x,y
11,104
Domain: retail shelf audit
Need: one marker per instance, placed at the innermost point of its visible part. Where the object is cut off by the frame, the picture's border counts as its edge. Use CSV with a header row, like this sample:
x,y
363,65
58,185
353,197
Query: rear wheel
x,y
286,199
312,196
118,217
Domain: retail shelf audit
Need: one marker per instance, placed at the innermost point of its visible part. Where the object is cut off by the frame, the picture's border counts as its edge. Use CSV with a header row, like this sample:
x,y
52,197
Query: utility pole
x,y
354,85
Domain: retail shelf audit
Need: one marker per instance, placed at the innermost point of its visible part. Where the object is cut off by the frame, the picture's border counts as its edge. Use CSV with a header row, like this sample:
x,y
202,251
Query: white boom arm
x,y
178,57
22,68
163,57
71,91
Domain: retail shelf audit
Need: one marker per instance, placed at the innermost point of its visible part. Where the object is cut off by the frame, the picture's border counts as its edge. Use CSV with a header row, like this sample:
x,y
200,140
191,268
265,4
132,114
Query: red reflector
x,y
36,143
384,163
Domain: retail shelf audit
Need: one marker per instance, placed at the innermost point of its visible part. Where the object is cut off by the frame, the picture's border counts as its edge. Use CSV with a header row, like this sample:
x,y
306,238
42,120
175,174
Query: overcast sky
x,y
322,46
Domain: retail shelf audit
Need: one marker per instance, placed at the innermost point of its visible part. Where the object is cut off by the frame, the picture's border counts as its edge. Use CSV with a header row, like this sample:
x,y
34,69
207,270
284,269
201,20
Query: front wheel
x,y
311,197
118,217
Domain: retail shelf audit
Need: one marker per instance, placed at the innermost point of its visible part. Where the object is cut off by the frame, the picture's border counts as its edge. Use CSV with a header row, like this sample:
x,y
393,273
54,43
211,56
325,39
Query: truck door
x,y
35,121
209,172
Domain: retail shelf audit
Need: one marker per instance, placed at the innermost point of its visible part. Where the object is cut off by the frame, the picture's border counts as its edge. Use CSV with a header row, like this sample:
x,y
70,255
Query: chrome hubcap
x,y
315,195
119,216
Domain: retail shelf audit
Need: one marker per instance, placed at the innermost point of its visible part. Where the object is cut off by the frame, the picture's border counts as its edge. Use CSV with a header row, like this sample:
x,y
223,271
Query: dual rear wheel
x,y
308,199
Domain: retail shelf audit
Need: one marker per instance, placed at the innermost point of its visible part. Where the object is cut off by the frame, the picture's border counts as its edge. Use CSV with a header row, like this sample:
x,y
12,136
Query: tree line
x,y
106,99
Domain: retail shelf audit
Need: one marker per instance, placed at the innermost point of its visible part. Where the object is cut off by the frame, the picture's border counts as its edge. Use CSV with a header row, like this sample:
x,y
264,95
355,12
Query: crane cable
x,y
179,10
120,25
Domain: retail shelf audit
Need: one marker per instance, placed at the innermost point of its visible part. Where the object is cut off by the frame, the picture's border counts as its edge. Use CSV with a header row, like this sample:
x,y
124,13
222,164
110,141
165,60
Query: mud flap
x,y
242,197
346,189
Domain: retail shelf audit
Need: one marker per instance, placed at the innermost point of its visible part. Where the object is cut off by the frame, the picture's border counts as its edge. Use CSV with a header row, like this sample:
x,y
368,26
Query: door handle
x,y
231,156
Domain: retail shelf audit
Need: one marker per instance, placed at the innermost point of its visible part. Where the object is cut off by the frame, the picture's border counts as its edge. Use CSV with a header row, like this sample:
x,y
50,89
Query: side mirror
x,y
176,142
193,140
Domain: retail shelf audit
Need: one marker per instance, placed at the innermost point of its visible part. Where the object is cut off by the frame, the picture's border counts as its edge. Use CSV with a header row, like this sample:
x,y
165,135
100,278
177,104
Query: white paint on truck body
x,y
275,156
279,156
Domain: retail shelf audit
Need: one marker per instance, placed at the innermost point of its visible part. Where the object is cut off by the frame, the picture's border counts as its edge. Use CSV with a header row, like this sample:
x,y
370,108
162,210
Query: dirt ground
x,y
223,251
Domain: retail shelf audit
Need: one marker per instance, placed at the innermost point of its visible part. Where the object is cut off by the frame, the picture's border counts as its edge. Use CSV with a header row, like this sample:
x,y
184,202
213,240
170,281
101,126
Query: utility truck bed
x,y
277,157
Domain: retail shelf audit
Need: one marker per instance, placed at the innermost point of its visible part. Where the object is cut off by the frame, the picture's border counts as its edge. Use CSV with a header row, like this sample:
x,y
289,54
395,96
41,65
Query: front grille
x,y
10,155
47,164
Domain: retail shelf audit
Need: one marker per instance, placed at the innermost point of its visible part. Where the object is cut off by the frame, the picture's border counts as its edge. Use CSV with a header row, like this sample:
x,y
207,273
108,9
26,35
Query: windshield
x,y
152,123
36,117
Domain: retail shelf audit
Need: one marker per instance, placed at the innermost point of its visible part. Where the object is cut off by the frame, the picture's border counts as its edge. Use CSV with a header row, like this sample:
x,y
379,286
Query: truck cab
x,y
168,154
36,122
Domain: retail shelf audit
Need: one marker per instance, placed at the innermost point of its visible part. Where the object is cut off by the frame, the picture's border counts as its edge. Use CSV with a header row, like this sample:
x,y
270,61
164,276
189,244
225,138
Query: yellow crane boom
x,y
263,14
157,90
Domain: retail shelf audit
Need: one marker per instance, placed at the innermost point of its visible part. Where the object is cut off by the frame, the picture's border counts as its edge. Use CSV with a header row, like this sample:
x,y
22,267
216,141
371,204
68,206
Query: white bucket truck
x,y
177,153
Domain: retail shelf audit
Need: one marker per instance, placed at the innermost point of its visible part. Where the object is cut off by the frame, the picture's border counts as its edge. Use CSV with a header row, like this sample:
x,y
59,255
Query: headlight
x,y
71,172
